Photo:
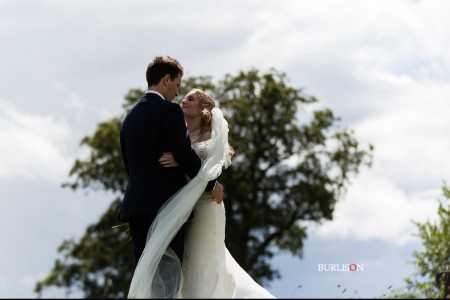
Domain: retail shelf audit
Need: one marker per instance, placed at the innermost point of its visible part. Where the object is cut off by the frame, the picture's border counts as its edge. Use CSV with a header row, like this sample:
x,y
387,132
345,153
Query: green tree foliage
x,y
283,172
98,265
290,167
435,256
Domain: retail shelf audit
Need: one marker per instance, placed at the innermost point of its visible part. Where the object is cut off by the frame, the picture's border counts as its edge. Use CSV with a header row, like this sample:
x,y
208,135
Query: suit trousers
x,y
139,226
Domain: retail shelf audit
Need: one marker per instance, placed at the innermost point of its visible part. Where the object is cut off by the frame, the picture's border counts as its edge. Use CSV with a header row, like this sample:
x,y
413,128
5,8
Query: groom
x,y
153,126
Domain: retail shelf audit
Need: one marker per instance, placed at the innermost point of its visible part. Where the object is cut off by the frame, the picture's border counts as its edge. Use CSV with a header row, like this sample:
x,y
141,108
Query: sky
x,y
382,66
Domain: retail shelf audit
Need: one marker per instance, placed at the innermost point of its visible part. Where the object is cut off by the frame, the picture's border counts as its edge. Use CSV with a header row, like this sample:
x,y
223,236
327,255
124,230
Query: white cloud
x,y
339,51
412,136
376,209
411,161
32,145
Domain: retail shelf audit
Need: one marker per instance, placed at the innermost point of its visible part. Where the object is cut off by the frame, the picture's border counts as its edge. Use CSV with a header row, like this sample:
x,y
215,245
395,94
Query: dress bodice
x,y
201,148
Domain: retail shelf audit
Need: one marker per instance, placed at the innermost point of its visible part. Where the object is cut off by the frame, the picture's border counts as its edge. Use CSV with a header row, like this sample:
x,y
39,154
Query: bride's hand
x,y
217,193
167,160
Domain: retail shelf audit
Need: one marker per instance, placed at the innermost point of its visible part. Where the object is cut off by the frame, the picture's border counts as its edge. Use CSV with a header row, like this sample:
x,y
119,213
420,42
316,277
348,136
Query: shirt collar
x,y
155,92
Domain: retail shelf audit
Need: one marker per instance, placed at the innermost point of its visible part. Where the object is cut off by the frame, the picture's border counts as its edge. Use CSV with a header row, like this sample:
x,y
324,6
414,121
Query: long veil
x,y
158,272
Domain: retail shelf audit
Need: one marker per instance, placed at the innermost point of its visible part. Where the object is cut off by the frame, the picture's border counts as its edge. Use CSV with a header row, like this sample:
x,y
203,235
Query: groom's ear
x,y
166,79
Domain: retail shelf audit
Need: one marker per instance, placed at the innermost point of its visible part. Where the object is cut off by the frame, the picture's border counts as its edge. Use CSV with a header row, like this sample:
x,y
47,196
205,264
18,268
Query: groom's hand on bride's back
x,y
217,193
167,160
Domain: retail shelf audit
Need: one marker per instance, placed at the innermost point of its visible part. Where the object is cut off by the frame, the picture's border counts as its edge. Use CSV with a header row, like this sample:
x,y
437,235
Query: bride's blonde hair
x,y
207,104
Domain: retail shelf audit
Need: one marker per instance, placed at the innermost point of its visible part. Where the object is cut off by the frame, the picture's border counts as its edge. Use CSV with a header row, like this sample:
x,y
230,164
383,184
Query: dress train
x,y
209,270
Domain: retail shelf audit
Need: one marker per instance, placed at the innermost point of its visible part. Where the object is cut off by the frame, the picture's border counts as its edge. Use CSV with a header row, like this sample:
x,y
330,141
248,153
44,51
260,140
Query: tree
x,y
287,169
283,172
435,256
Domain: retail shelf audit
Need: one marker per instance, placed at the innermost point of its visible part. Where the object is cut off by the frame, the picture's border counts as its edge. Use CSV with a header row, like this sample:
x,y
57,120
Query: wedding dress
x,y
209,270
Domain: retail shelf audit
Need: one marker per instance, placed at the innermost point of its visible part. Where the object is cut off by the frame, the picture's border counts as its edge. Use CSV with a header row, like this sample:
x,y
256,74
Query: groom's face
x,y
172,88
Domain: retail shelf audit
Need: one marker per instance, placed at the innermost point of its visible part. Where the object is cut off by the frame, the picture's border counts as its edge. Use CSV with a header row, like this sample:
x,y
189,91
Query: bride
x,y
208,269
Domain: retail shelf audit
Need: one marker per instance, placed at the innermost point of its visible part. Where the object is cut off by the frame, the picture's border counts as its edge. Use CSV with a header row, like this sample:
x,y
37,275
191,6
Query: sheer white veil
x,y
158,273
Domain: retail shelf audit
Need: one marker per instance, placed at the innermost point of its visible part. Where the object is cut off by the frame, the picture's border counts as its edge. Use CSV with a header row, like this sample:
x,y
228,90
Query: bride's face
x,y
191,105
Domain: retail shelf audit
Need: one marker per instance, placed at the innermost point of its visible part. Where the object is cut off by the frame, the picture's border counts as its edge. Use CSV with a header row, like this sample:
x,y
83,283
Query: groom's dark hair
x,y
160,66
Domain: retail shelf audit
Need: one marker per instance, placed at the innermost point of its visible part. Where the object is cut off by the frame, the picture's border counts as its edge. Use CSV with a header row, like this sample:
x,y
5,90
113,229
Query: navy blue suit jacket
x,y
152,127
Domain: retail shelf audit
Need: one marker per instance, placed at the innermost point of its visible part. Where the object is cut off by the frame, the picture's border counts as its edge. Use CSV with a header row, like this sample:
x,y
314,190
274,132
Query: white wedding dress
x,y
208,270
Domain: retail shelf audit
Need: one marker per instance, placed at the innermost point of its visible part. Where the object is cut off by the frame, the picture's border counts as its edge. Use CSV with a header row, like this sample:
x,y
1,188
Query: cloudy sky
x,y
382,66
